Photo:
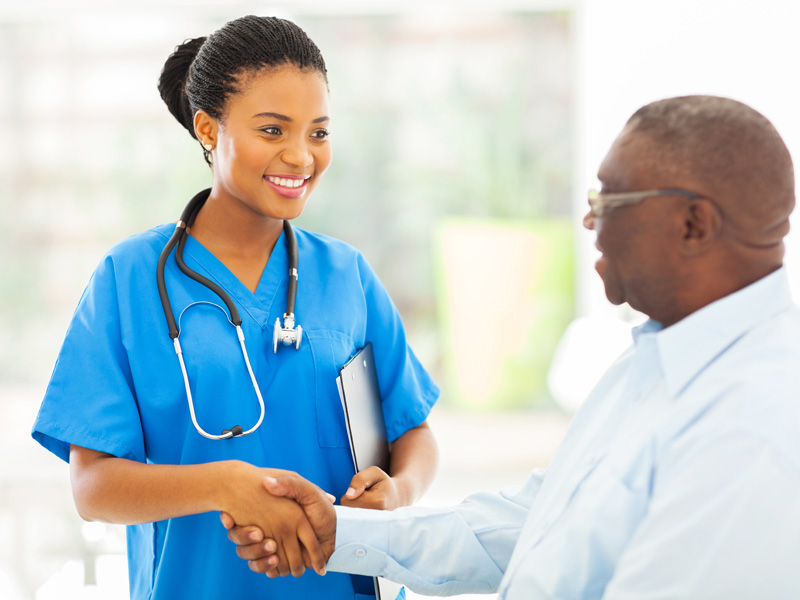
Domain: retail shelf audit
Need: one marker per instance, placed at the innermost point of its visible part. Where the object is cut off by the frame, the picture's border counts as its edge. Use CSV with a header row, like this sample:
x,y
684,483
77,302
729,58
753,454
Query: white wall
x,y
631,52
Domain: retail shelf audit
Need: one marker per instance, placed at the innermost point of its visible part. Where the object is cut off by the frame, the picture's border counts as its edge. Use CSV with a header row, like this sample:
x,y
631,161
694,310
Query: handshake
x,y
289,525
299,541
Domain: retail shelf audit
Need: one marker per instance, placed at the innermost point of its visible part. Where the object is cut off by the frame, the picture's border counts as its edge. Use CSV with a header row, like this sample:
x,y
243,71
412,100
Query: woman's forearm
x,y
414,459
117,490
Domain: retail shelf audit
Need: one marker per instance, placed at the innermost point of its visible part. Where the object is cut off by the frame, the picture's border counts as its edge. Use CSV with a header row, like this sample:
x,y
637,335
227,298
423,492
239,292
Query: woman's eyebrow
x,y
286,119
273,116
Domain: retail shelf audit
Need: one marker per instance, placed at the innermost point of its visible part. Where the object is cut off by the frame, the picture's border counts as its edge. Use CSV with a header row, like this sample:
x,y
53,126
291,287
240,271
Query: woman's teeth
x,y
288,183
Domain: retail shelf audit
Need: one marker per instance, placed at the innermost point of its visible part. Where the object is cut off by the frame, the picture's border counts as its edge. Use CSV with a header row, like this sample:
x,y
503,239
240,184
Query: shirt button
x,y
361,553
590,460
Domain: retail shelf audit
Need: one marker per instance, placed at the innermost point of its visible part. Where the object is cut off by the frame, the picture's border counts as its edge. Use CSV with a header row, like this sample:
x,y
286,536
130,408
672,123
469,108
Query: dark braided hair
x,y
202,73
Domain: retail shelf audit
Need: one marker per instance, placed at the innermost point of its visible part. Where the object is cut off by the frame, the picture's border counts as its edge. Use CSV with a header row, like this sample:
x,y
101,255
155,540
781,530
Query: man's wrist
x,y
361,540
329,545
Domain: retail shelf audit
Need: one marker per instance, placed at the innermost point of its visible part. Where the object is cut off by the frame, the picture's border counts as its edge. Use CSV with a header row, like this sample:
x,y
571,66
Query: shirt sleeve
x,y
407,390
436,551
723,522
90,399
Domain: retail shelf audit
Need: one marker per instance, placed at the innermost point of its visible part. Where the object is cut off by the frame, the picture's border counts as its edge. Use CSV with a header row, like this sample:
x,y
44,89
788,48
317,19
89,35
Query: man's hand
x,y
267,556
373,488
281,519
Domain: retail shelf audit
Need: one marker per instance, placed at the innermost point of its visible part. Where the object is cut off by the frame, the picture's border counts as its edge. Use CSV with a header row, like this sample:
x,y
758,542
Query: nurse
x,y
254,94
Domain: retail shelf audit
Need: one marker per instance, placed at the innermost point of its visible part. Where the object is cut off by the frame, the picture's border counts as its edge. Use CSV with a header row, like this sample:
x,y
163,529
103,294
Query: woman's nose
x,y
297,155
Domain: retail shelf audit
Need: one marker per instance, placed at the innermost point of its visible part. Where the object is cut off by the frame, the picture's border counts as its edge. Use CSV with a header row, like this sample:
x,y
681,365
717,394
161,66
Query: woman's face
x,y
272,143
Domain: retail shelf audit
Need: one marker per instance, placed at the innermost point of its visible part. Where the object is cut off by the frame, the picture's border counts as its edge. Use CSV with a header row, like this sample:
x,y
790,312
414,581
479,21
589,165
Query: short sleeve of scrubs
x,y
117,388
407,390
90,400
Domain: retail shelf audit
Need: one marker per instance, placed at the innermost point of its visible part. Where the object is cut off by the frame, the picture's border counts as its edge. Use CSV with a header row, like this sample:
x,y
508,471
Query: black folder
x,y
366,428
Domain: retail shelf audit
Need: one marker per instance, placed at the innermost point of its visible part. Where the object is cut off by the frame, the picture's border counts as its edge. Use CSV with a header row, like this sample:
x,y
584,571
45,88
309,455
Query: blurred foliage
x,y
506,294
463,114
433,120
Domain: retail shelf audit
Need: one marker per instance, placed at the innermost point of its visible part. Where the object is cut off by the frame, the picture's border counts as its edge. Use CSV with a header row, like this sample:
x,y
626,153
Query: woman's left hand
x,y
373,488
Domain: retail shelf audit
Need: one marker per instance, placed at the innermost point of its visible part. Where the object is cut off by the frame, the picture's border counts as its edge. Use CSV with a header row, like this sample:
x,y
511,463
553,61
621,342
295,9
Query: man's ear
x,y
206,128
702,225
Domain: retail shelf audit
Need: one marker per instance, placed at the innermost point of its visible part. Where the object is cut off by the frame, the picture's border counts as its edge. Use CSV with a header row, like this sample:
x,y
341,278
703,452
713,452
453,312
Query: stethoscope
x,y
288,334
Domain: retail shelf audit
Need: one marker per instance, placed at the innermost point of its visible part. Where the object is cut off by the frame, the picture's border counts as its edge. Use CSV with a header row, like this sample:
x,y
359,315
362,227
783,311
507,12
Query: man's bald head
x,y
727,151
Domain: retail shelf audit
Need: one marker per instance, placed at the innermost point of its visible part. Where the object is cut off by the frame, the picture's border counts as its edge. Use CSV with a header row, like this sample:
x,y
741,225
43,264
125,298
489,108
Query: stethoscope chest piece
x,y
288,335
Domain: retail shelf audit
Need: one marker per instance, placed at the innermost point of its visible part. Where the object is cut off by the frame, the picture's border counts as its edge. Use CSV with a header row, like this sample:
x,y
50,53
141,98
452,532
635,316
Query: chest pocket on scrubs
x,y
330,350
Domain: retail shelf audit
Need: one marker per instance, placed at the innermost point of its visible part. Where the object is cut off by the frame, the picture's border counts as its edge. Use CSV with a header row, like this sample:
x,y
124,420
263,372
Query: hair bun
x,y
172,82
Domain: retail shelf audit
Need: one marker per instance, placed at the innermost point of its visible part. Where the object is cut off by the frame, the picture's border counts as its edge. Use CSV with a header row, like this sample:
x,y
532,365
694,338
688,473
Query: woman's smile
x,y
289,186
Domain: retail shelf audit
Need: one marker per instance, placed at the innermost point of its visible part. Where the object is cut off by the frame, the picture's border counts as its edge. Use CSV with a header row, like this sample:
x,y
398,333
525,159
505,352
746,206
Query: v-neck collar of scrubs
x,y
259,304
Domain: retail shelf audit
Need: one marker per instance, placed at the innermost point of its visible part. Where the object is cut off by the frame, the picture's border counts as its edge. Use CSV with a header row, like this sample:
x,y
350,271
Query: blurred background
x,y
465,138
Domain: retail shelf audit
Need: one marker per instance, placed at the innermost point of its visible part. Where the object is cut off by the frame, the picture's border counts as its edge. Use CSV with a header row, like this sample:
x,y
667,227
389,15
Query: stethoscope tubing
x,y
178,240
180,230
291,244
235,318
227,433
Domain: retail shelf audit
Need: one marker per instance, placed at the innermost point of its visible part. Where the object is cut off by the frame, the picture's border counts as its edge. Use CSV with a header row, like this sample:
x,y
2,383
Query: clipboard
x,y
366,429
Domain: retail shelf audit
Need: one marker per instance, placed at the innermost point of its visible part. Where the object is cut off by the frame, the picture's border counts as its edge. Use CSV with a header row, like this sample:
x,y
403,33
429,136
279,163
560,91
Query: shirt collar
x,y
688,346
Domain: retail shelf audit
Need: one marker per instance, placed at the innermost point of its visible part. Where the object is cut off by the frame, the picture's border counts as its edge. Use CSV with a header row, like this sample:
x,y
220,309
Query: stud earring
x,y
208,147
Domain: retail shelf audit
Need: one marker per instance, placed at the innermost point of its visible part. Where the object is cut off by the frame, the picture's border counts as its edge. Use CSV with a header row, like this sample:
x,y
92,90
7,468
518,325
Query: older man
x,y
680,476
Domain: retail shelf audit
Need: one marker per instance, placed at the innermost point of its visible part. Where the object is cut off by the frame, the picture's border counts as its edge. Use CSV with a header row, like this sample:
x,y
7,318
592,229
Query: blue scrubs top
x,y
117,388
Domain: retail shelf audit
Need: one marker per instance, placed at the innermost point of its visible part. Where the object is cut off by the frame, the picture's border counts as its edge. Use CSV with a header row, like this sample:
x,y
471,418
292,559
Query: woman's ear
x,y
702,226
205,129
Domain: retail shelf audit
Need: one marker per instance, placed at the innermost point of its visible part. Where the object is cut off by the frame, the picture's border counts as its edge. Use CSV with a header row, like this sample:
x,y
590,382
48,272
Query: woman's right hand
x,y
279,519
263,554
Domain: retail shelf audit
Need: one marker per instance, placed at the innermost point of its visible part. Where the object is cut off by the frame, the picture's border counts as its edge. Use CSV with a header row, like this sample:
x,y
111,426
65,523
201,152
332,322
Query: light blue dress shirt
x,y
678,478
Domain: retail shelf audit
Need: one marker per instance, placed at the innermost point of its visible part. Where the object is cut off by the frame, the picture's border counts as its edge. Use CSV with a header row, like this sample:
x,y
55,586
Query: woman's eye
x,y
271,130
321,134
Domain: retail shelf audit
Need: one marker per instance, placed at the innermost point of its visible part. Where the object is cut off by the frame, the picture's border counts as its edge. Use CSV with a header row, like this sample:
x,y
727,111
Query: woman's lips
x,y
288,186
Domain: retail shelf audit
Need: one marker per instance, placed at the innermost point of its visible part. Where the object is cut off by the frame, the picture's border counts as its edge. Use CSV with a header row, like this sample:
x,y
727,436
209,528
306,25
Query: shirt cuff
x,y
362,541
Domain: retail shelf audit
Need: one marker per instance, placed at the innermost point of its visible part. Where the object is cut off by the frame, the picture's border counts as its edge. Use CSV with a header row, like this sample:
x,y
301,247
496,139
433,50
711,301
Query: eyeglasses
x,y
599,203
